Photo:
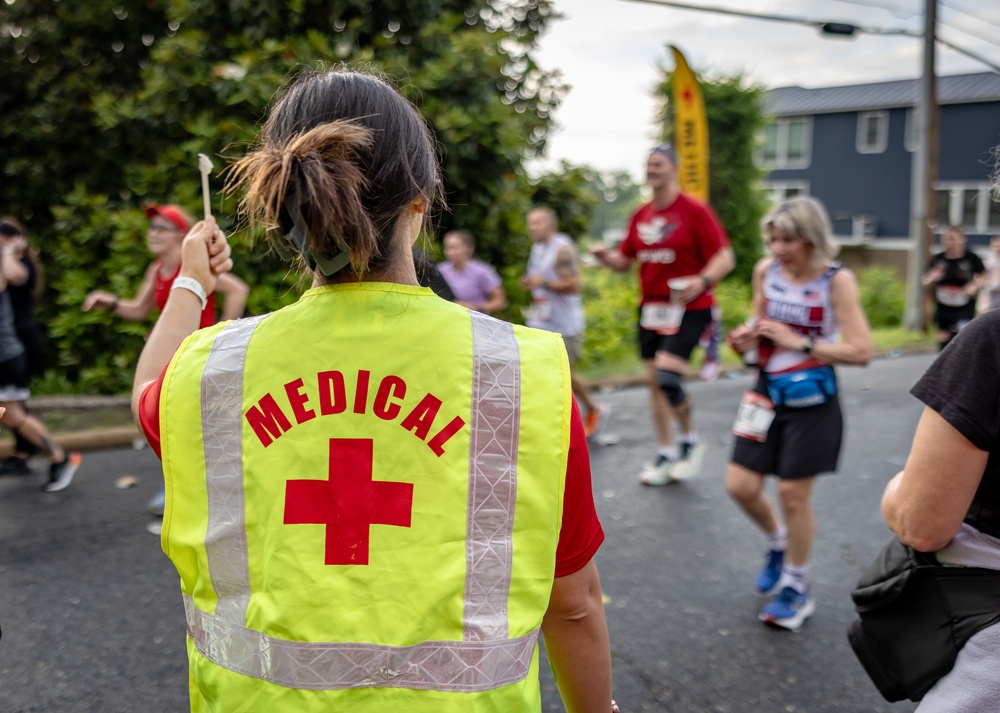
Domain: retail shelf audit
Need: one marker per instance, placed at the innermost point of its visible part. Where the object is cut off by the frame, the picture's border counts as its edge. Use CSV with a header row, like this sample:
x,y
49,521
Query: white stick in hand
x,y
205,164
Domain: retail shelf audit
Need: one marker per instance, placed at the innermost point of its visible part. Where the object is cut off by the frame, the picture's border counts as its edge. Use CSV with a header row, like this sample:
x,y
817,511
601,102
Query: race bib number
x,y
952,296
540,310
662,317
754,417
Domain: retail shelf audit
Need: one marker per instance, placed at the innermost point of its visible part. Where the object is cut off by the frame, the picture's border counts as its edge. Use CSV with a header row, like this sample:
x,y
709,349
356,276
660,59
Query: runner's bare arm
x,y
611,257
568,268
135,309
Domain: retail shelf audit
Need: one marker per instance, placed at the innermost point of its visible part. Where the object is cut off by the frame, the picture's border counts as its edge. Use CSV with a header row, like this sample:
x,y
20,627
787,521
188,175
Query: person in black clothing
x,y
946,500
955,275
25,282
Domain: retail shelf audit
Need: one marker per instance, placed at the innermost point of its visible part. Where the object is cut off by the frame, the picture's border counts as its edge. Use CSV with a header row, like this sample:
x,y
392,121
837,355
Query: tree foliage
x,y
107,103
735,115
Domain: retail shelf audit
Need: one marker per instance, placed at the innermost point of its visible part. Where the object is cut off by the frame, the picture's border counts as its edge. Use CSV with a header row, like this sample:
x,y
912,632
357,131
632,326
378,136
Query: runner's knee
x,y
670,384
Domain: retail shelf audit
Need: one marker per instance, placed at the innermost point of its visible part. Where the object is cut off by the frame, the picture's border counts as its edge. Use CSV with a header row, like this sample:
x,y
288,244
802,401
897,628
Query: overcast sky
x,y
608,51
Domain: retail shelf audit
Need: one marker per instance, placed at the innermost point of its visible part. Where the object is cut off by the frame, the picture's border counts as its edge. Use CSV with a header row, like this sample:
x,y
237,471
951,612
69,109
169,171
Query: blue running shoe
x,y
767,580
789,609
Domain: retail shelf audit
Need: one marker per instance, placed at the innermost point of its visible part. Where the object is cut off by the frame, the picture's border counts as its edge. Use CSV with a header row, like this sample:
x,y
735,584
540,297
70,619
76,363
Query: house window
x,y
873,131
785,143
777,191
993,218
968,205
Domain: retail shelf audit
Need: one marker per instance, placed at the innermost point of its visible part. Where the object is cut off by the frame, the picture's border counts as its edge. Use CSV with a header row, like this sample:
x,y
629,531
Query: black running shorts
x,y
801,442
693,326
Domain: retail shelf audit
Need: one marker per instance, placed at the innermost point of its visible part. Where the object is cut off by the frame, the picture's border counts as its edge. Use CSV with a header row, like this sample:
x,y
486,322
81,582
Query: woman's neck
x,y
399,271
803,274
169,262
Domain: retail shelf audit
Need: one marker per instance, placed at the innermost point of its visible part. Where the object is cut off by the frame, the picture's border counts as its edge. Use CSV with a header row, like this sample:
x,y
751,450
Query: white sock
x,y
691,438
778,540
668,452
794,576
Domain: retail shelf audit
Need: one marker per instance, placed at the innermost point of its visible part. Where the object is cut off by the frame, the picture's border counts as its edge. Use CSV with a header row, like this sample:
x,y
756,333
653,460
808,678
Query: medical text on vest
x,y
269,420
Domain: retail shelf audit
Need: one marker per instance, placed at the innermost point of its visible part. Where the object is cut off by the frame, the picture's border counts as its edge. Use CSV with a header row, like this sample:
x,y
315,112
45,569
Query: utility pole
x,y
923,177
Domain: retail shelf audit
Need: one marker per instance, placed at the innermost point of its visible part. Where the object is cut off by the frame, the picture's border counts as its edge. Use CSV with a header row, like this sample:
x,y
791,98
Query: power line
x,y
829,27
879,6
977,18
971,33
835,28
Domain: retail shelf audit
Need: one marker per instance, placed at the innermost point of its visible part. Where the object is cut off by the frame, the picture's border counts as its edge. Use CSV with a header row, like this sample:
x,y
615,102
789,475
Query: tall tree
x,y
107,102
733,106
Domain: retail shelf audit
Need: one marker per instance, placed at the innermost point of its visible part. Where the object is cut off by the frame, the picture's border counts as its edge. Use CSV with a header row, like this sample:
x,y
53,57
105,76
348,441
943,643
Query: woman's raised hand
x,y
206,254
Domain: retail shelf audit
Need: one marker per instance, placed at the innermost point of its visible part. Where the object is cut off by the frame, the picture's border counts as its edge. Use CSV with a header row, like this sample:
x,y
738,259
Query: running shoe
x,y
158,502
14,465
789,609
689,464
767,579
658,473
597,419
61,473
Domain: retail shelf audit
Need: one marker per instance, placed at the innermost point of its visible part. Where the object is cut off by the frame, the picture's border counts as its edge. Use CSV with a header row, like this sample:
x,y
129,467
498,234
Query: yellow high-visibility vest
x,y
364,496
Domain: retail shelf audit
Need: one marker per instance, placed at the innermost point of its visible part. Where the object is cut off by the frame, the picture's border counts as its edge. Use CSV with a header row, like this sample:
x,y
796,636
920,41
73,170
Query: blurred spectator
x,y
25,283
476,285
955,275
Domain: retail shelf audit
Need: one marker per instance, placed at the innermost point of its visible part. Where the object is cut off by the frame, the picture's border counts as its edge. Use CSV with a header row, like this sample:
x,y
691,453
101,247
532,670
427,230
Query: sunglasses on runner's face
x,y
163,228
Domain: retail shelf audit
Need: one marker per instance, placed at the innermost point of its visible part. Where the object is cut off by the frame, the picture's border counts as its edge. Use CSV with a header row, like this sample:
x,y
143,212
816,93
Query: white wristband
x,y
192,285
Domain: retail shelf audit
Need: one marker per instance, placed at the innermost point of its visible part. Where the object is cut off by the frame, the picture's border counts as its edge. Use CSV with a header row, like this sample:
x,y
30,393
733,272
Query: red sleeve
x,y
149,413
581,534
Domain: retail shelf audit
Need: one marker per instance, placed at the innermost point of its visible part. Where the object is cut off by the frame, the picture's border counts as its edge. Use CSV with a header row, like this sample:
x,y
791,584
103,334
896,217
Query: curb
x,y
117,436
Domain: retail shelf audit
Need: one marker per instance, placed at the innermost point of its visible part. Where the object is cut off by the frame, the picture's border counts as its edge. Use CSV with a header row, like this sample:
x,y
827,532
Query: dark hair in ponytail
x,y
351,153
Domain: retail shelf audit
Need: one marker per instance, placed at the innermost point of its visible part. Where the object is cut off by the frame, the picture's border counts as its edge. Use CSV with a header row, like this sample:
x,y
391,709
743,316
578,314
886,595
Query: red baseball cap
x,y
174,213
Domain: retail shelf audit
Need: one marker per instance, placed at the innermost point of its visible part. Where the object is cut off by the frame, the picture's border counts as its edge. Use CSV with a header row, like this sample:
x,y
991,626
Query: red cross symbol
x,y
349,502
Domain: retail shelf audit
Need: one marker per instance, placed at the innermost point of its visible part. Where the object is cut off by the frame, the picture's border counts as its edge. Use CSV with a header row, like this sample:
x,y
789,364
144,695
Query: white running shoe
x,y
658,473
689,464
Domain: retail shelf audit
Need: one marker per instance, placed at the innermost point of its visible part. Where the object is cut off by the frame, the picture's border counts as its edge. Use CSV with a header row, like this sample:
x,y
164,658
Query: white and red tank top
x,y
806,308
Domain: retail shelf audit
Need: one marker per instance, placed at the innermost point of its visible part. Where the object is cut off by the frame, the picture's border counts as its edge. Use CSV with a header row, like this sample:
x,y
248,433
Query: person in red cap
x,y
168,224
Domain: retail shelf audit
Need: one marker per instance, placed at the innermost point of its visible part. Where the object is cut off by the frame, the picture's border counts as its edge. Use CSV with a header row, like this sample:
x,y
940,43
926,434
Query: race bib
x,y
754,417
540,310
951,296
662,317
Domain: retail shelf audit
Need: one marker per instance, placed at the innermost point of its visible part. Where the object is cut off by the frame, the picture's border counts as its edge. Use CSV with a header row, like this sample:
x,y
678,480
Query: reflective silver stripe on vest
x,y
222,433
458,667
484,659
493,434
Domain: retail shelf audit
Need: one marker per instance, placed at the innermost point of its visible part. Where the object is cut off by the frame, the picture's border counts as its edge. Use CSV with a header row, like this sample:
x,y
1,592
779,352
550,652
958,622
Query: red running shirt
x,y
676,241
162,292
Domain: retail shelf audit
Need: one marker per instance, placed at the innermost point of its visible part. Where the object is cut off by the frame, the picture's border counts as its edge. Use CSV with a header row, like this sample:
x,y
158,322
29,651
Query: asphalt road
x,y
92,618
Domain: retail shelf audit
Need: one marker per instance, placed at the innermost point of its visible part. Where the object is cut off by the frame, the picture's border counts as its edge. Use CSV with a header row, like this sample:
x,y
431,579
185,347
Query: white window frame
x,y
781,160
882,133
777,191
956,201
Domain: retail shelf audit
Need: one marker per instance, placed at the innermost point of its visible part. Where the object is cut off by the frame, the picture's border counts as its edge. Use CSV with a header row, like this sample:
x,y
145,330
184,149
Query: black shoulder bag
x,y
915,615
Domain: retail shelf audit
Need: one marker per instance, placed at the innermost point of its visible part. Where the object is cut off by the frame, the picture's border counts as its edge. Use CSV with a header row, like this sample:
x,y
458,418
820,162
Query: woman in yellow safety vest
x,y
376,499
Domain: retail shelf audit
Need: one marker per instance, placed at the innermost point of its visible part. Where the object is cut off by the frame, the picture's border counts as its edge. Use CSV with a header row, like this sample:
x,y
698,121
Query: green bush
x,y
610,301
883,296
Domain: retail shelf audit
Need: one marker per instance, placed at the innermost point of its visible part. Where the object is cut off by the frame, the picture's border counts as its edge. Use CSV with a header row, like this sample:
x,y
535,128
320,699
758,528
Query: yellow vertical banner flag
x,y
690,129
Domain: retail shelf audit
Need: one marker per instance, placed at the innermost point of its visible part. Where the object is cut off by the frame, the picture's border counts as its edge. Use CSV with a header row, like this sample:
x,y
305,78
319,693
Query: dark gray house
x,y
852,147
